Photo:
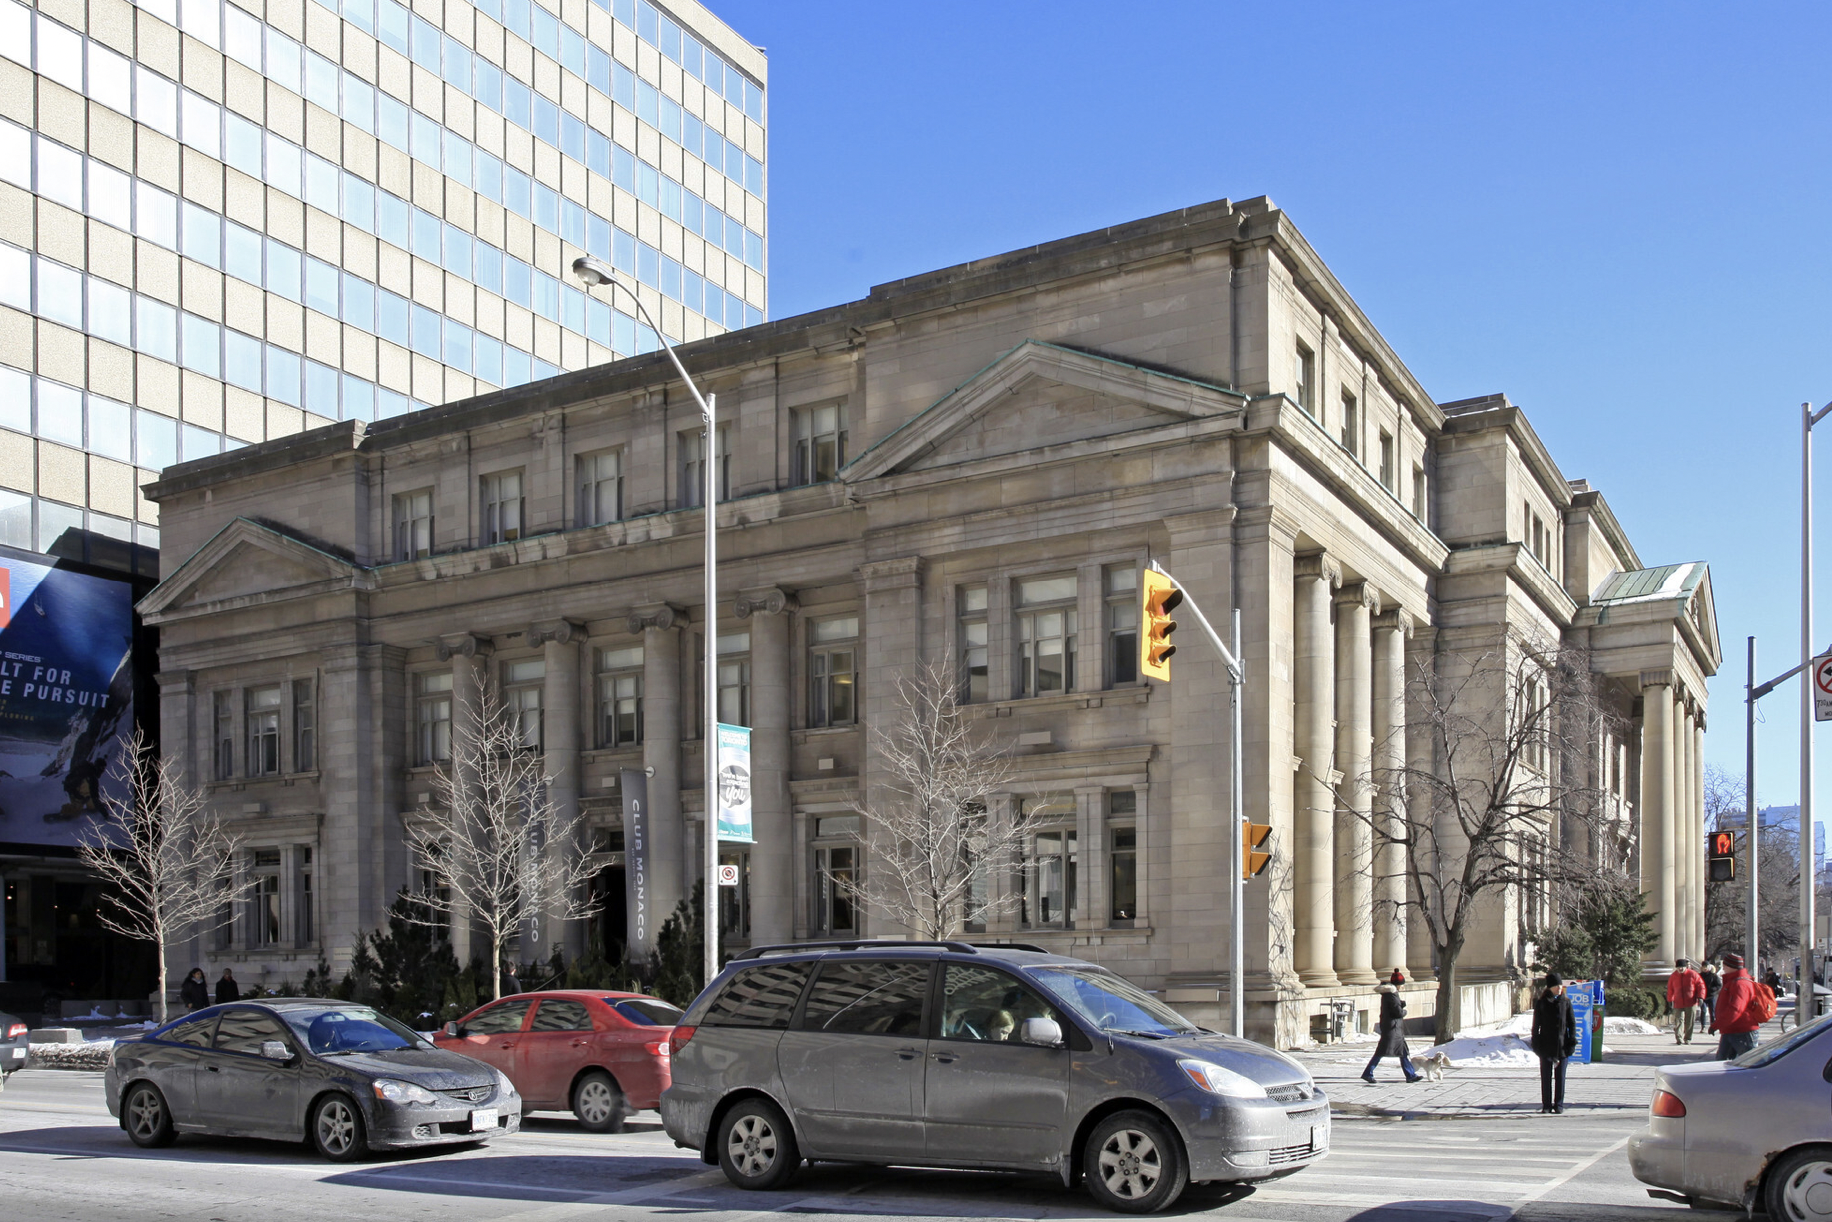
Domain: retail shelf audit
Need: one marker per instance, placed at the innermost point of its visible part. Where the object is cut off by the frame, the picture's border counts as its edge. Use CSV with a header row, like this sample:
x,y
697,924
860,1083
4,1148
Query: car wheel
x,y
337,1129
598,1103
146,1117
1800,1186
756,1146
1134,1163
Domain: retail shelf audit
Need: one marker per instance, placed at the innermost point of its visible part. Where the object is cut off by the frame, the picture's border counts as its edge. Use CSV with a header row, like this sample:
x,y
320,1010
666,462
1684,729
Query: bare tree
x,y
164,860
1727,903
937,846
1506,802
496,854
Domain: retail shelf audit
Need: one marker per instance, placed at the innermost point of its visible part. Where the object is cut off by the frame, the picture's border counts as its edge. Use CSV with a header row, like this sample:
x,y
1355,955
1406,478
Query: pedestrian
x,y
226,988
1397,978
1392,1032
1713,982
1555,1038
1736,1020
1685,989
1773,981
195,991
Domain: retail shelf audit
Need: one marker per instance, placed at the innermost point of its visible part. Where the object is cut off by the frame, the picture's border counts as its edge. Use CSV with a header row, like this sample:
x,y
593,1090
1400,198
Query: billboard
x,y
66,697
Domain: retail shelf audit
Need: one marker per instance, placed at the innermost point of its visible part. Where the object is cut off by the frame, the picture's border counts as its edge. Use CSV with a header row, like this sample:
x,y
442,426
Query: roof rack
x,y
1042,950
789,948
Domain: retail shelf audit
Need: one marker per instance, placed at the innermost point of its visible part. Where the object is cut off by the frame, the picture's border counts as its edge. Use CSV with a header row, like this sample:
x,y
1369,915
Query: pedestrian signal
x,y
1160,597
1253,862
1721,850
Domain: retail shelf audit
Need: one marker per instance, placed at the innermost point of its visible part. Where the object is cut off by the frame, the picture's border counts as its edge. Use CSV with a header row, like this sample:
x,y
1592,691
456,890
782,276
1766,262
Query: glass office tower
x,y
227,222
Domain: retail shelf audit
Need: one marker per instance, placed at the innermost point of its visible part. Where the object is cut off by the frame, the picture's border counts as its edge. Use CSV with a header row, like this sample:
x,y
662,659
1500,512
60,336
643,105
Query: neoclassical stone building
x,y
973,464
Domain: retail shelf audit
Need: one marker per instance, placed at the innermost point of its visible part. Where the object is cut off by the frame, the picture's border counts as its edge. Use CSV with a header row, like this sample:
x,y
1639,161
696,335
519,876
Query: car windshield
x,y
351,1029
645,1011
1110,1003
1775,1049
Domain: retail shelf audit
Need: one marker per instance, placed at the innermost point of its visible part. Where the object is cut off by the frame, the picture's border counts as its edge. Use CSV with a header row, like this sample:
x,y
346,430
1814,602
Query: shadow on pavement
x,y
108,1141
1433,1211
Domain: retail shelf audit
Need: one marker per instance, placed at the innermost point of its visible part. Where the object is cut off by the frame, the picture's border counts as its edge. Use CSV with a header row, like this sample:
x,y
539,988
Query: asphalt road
x,y
62,1157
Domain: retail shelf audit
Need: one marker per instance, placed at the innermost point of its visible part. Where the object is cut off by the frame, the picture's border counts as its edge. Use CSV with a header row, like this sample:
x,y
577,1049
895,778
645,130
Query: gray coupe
x,y
344,1078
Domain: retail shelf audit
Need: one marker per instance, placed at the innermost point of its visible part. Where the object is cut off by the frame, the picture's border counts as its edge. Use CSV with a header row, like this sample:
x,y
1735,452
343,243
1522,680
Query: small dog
x,y
1432,1065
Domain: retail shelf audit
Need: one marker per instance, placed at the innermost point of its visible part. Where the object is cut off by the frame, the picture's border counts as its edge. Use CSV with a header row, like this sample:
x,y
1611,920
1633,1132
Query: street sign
x,y
728,876
1822,688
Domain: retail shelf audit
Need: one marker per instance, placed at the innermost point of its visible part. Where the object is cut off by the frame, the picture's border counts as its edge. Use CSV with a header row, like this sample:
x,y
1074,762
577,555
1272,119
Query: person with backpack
x,y
1685,989
1743,1006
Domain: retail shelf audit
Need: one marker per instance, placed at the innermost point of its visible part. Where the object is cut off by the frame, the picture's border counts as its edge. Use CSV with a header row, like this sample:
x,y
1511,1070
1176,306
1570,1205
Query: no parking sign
x,y
1822,688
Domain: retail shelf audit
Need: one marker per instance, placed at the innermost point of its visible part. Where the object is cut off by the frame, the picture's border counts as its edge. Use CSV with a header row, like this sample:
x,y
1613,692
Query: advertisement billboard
x,y
66,697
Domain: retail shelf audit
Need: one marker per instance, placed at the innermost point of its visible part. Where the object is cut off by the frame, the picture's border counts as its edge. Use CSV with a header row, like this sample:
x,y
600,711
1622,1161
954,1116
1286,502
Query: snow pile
x,y
1520,1024
1629,1026
1488,1051
92,1055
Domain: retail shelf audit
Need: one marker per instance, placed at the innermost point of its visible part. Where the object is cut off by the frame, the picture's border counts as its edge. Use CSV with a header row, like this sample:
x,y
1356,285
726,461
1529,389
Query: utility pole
x,y
1808,971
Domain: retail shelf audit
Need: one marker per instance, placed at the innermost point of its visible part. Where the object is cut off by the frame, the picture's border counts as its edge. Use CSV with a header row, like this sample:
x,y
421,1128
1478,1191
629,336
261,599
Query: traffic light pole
x,y
1755,692
1237,885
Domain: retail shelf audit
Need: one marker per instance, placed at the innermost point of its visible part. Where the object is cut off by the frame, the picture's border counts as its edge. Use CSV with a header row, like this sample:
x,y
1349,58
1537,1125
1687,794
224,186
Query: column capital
x,y
1657,678
1317,564
176,682
1394,619
765,600
1269,522
560,631
903,573
656,615
1358,593
464,645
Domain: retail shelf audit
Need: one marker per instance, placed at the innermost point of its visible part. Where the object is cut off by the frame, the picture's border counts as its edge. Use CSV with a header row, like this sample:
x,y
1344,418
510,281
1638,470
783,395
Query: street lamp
x,y
1805,996
593,273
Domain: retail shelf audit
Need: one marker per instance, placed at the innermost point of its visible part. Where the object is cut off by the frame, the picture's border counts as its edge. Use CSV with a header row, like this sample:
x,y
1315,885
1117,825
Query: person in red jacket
x,y
1685,989
1735,1022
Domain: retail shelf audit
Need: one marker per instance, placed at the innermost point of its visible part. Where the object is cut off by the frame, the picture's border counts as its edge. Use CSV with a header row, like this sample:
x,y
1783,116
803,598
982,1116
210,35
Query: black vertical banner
x,y
635,786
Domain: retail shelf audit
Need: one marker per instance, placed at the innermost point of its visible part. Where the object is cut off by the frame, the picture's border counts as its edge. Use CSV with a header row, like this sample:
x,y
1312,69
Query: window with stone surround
x,y
1386,461
820,443
523,684
835,865
1351,424
432,717
1122,591
1418,492
264,902
263,712
1050,864
413,524
600,487
976,686
1046,634
620,696
1306,378
1122,857
833,661
503,507
735,678
223,752
305,725
306,912
692,448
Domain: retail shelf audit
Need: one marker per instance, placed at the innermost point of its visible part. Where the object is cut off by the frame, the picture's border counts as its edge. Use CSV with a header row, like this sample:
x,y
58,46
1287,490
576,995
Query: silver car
x,y
953,1055
1754,1133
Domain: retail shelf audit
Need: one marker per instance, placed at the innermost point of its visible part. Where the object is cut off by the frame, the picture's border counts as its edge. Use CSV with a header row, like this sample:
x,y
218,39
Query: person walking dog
x,y
1737,1018
1392,1032
1555,1038
1685,989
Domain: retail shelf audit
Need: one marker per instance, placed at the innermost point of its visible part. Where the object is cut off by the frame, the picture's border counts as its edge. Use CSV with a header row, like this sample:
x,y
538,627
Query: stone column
x,y
1314,817
562,737
187,737
773,853
1092,908
1685,847
1390,631
1656,813
469,654
660,625
1421,653
892,640
1354,857
346,770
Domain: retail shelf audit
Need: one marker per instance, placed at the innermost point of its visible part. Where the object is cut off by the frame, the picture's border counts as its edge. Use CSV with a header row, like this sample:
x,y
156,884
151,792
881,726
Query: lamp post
x,y
592,273
1808,418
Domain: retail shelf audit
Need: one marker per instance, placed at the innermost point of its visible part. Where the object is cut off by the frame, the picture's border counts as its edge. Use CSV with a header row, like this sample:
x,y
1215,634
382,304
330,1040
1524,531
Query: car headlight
x,y
1212,1077
503,1084
403,1092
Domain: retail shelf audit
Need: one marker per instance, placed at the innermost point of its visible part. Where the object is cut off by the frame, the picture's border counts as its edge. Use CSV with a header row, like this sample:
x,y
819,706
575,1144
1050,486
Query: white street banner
x,y
635,785
1822,688
734,783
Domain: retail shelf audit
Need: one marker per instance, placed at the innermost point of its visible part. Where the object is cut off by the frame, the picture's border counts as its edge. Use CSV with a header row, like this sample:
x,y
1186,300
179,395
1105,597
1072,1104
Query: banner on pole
x,y
734,783
635,787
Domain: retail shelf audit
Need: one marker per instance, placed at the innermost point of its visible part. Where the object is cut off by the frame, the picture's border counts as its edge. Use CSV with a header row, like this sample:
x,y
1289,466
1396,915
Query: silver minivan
x,y
1004,1057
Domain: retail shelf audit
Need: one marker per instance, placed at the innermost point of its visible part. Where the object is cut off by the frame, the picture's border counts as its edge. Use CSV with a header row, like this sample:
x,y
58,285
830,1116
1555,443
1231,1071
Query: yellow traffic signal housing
x,y
1252,861
1721,850
1160,597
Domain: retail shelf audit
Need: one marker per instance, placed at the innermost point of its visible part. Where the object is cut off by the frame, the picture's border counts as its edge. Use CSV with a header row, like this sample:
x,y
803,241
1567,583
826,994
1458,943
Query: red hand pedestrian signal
x,y
1721,852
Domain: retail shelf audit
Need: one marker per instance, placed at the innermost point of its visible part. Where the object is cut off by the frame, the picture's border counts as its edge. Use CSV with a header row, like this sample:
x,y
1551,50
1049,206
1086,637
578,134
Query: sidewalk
x,y
1621,1084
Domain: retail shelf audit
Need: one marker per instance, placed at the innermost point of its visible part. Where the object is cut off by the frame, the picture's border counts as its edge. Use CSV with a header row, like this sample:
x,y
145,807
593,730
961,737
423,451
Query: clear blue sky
x,y
1616,214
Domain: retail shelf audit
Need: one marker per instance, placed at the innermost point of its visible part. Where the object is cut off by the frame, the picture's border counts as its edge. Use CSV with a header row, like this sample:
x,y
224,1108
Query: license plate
x,y
483,1118
18,1052
1319,1137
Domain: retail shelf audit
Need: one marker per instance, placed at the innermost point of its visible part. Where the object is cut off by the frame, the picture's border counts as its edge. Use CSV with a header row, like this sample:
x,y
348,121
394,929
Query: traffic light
x,y
1252,861
1161,596
1721,848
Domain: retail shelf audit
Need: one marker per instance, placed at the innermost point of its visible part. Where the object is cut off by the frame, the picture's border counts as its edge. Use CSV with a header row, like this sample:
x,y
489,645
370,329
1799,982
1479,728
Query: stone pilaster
x,y
1354,906
769,611
1389,759
1686,847
346,774
1420,652
660,625
1315,806
892,640
1656,813
469,653
562,735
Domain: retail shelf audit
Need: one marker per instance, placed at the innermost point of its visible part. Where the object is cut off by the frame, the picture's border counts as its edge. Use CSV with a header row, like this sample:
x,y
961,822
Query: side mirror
x,y
1045,1032
276,1050
451,1031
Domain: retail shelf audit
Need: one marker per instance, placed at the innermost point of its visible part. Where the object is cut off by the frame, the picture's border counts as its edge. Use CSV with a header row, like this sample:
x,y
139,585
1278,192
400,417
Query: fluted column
x,y
1315,813
773,853
660,625
469,654
1390,631
562,736
1656,811
1354,906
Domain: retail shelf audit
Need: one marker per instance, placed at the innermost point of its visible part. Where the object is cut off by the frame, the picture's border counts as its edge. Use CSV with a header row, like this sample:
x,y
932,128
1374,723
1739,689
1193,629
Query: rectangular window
x,y
1046,635
433,717
975,680
263,705
1123,869
735,678
1386,461
1050,864
224,752
1307,379
502,507
835,868
308,922
620,696
820,443
413,524
600,487
1122,582
264,930
1351,425
833,665
693,467
1418,493
305,726
522,686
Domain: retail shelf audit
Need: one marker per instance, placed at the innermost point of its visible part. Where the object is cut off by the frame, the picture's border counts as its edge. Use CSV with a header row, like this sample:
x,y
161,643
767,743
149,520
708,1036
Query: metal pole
x,y
1752,944
1237,883
710,482
1803,1006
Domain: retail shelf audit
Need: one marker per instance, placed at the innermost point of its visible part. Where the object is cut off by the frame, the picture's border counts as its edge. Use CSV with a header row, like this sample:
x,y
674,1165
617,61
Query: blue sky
x,y
1616,214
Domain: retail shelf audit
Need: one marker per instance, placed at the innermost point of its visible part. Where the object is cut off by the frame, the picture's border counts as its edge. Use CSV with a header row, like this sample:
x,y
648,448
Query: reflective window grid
x,y
266,221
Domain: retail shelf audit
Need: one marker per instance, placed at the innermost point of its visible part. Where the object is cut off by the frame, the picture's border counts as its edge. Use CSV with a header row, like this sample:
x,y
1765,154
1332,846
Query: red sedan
x,y
599,1055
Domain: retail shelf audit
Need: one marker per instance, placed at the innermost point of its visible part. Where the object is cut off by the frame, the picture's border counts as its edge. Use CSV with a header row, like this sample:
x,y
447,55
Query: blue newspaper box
x,y
1583,1002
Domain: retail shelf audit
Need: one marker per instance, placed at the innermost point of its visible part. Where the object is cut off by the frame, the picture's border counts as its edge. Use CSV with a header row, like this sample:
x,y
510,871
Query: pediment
x,y
1038,395
1701,611
248,562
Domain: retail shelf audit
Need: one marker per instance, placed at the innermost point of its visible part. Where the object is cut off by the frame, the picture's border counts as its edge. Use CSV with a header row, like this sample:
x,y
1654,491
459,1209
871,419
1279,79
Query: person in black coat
x,y
1713,982
195,991
1392,1032
226,989
1555,1038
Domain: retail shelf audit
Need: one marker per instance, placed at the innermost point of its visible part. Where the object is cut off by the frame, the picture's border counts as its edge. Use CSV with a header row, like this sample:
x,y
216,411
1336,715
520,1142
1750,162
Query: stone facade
x,y
975,464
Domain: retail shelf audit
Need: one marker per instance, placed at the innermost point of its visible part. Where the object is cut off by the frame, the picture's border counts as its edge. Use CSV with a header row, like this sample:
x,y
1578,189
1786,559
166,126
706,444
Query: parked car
x,y
1752,1134
953,1055
12,1043
599,1055
343,1077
